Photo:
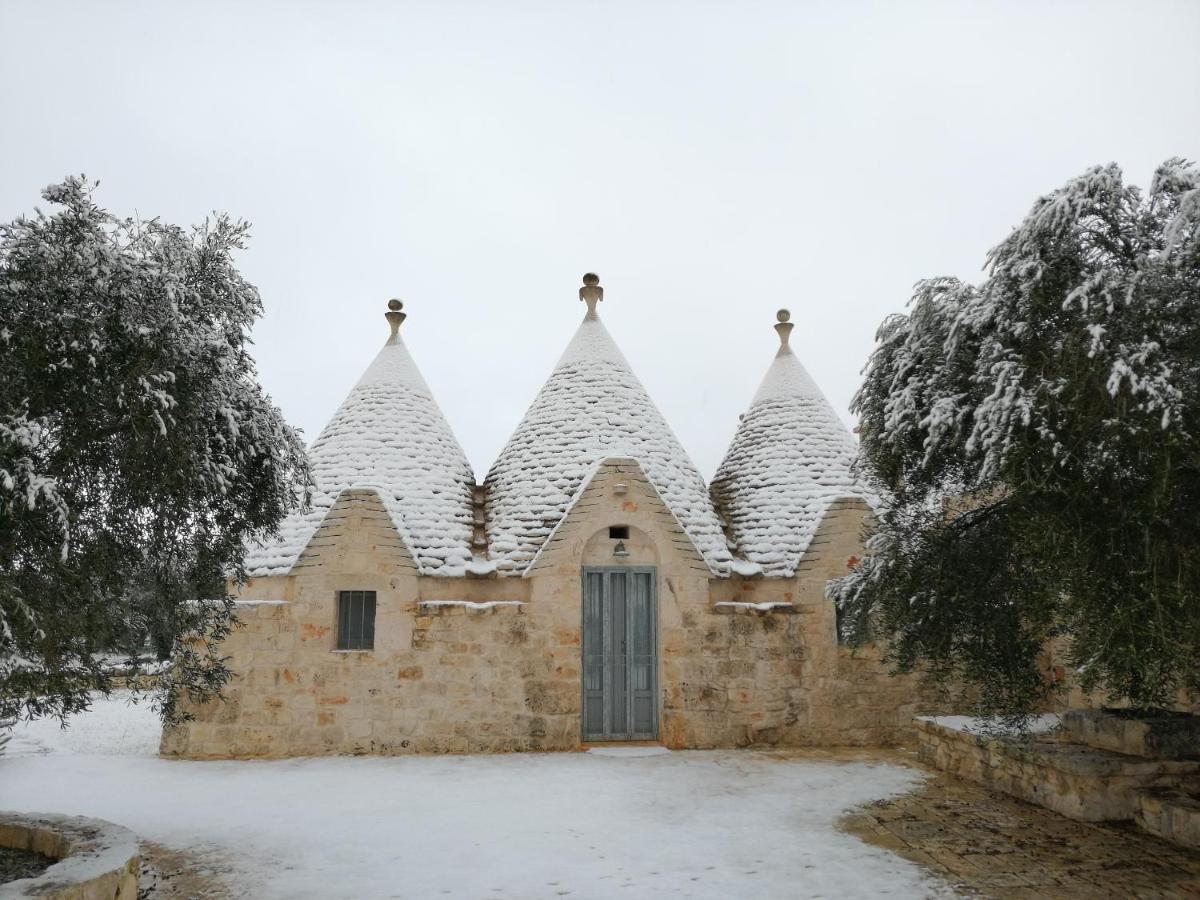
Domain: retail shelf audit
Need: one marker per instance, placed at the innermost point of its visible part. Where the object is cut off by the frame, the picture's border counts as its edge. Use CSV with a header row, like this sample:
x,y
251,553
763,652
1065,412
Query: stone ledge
x,y
452,607
97,859
1164,735
1079,782
1172,815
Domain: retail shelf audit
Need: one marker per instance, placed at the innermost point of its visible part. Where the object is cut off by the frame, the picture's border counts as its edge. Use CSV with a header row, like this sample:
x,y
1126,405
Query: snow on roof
x,y
591,407
791,458
388,435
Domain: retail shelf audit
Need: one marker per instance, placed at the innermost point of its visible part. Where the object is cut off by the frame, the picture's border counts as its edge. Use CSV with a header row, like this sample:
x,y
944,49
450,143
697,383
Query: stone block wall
x,y
494,664
1055,664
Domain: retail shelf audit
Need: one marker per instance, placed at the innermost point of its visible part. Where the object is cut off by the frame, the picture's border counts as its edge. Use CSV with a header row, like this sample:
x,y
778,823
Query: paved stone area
x,y
168,874
991,845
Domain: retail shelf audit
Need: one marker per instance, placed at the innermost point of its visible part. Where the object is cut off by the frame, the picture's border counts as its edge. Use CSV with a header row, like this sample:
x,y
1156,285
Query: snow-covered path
x,y
584,825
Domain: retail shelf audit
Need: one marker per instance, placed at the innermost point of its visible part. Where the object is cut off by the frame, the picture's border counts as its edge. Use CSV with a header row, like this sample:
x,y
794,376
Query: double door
x,y
620,654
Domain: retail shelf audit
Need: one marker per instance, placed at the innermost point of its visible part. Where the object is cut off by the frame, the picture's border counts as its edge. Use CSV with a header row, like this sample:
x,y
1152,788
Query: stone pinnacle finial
x,y
394,316
784,329
591,293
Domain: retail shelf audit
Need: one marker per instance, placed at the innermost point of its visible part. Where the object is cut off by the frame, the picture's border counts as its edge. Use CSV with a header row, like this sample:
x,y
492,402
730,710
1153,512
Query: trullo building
x,y
592,588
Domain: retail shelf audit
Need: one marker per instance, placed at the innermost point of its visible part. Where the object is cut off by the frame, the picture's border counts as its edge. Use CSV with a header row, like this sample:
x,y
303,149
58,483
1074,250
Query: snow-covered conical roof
x,y
790,458
592,407
388,435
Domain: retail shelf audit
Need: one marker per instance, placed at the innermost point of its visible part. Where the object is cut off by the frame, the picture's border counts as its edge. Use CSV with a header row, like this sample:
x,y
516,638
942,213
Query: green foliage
x,y
1037,442
137,451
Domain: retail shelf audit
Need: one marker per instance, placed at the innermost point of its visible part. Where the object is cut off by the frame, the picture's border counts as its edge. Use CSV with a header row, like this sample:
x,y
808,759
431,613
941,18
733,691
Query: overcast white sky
x,y
712,162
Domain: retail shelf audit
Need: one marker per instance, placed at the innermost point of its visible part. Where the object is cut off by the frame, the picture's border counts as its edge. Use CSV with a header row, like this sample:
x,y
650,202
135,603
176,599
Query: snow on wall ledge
x,y
388,435
790,459
592,407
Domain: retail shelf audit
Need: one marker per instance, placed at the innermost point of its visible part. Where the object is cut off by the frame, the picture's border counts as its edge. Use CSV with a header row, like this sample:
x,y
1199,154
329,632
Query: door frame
x,y
655,689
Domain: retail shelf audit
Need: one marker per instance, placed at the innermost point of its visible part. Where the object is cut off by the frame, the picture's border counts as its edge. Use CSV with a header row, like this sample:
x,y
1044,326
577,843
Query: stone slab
x,y
1173,815
1165,735
988,844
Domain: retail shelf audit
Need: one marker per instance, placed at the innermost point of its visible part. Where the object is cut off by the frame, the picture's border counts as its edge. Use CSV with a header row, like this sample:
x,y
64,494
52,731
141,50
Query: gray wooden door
x,y
620,654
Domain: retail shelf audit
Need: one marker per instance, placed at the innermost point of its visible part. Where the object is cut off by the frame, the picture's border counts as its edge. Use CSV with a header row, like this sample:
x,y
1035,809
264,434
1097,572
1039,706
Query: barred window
x,y
356,620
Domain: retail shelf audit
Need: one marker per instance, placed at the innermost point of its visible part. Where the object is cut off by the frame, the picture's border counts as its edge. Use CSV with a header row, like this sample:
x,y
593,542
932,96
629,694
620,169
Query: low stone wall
x,y
1172,815
97,860
1079,782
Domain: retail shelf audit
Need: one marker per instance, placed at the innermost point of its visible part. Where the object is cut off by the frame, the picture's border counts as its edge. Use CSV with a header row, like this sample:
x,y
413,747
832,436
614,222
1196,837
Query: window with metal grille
x,y
356,620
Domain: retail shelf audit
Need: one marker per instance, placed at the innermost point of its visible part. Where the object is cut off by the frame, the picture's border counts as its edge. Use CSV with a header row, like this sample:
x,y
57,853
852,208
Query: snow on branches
x,y
137,451
1052,409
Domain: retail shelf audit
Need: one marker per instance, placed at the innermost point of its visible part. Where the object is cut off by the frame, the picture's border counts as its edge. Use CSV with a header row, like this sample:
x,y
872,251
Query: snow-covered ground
x,y
632,823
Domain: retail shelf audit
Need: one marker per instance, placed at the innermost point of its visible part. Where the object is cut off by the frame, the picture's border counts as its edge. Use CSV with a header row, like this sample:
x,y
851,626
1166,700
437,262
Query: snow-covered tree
x,y
1037,442
137,451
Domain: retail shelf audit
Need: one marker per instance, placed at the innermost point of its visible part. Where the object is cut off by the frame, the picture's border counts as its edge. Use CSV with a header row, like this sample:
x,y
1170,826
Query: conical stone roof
x,y
388,435
790,458
592,407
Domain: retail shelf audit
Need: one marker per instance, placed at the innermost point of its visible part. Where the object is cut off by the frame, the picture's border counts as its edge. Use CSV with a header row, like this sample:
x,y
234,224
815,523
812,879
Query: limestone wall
x,y
493,664
1055,664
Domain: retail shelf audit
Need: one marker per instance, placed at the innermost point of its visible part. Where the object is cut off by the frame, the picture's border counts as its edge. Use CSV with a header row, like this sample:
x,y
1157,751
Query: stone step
x,y
1085,783
1173,815
1162,735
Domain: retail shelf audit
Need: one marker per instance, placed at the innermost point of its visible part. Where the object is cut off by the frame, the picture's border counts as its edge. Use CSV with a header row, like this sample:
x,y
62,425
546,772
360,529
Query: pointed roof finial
x,y
591,293
394,316
784,330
